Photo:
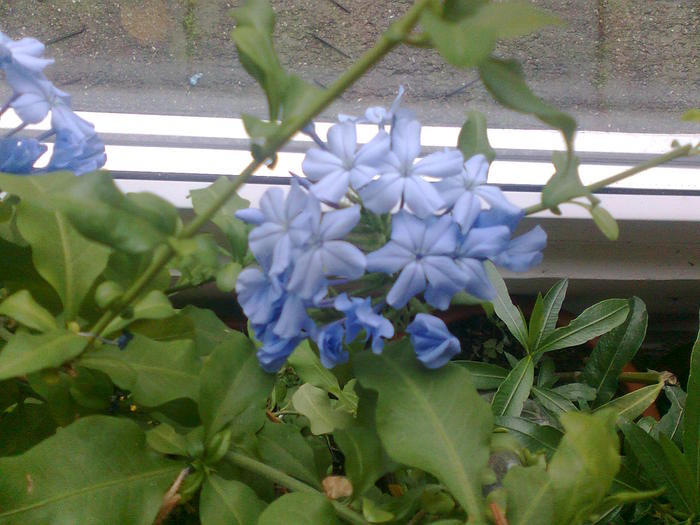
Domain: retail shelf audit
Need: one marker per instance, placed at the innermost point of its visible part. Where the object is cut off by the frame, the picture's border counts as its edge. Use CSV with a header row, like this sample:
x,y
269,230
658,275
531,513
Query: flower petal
x,y
411,281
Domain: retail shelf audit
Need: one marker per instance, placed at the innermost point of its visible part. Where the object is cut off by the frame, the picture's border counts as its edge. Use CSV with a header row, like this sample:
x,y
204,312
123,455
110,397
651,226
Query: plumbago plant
x,y
343,402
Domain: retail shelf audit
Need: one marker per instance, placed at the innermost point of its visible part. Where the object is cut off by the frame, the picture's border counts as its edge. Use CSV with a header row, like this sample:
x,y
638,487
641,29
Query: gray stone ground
x,y
630,65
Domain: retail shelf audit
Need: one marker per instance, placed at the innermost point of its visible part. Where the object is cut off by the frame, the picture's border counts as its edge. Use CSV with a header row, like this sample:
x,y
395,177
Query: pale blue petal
x,y
440,237
338,223
319,163
250,215
411,281
524,251
342,141
381,195
440,164
477,281
307,276
451,189
375,151
262,240
389,258
407,230
476,169
421,196
272,205
405,141
496,198
466,210
333,187
482,243
292,318
342,259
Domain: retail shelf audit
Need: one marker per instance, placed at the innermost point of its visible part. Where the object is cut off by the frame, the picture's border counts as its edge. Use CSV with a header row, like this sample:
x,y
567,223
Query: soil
x,y
630,65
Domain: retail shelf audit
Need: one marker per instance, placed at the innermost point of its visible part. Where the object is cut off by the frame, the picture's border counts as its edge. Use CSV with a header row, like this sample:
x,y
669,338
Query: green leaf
x,y
515,389
227,276
155,372
654,462
529,496
283,447
544,317
691,423
253,38
484,376
298,98
504,307
102,213
84,474
605,222
228,502
26,353
22,307
504,80
536,324
692,115
632,405
430,419
231,381
155,305
299,508
166,440
467,41
68,261
671,422
18,273
565,184
209,330
553,401
536,438
584,466
615,349
24,426
473,138
323,415
308,367
593,321
365,459
235,230
681,471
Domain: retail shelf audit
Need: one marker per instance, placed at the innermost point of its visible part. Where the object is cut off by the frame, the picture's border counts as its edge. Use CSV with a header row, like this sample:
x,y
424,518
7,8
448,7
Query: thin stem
x,y
390,39
16,130
279,477
652,163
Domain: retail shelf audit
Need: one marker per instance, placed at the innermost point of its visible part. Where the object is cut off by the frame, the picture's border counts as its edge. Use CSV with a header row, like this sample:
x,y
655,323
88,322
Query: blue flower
x,y
283,226
359,316
330,345
79,153
423,250
403,179
432,341
259,296
325,254
339,165
275,350
523,252
461,193
19,155
26,53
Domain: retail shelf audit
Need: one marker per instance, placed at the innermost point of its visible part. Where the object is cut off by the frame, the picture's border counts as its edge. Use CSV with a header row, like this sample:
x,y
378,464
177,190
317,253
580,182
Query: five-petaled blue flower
x,y
359,316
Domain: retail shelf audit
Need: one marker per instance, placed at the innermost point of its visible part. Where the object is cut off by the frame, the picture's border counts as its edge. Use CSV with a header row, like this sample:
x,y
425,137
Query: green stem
x,y
279,477
390,39
652,163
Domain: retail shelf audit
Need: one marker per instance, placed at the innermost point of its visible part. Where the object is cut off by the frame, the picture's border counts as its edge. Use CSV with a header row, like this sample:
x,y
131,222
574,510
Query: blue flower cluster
x,y
77,147
445,223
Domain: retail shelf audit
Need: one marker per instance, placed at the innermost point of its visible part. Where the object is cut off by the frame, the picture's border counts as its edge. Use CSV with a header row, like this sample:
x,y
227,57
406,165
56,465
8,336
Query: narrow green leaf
x,y
283,447
515,389
529,496
536,438
431,419
671,423
605,222
299,508
26,353
592,322
155,372
231,381
473,138
235,230
504,307
84,474
228,502
681,472
504,80
584,466
632,405
553,401
615,349
653,461
536,324
22,307
691,424
323,415
484,376
545,323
